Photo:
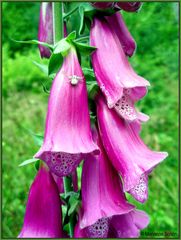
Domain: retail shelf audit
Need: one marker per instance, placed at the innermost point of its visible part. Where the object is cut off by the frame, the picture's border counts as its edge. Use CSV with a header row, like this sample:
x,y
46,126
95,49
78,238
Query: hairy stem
x,y
58,32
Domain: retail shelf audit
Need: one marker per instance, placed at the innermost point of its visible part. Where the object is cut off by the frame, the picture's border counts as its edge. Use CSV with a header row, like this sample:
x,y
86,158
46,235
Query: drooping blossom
x,y
119,226
121,86
127,152
45,31
103,5
43,209
129,6
117,23
105,211
68,136
102,195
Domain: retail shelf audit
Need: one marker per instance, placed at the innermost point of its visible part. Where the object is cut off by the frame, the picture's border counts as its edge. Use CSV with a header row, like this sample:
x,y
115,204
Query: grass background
x,y
155,29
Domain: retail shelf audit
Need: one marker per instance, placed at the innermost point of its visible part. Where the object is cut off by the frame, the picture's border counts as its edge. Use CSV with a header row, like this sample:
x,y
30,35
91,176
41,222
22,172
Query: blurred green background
x,y
155,29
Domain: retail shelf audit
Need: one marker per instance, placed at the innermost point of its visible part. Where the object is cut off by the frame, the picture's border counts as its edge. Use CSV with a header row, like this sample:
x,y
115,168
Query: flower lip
x,y
63,163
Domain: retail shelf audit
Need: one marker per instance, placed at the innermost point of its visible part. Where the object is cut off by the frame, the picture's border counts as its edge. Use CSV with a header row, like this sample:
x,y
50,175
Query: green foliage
x,y
155,29
20,74
20,22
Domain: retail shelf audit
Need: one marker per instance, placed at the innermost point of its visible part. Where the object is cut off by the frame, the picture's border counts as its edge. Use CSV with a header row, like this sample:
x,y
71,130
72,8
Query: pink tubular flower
x,y
127,152
45,32
116,78
43,209
68,136
117,23
119,226
103,5
102,195
129,6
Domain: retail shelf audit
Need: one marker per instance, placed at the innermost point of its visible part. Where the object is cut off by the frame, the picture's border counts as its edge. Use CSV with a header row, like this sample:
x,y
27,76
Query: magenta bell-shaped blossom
x,y
43,209
103,5
116,78
129,6
127,152
102,195
117,23
119,226
45,31
68,138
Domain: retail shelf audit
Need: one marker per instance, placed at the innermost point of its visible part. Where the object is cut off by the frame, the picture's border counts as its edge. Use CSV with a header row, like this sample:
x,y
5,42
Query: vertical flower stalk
x,y
45,31
43,209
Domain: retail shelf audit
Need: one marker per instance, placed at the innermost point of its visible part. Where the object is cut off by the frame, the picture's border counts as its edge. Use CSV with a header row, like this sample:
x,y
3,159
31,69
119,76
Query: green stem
x,y
58,34
58,31
67,182
86,38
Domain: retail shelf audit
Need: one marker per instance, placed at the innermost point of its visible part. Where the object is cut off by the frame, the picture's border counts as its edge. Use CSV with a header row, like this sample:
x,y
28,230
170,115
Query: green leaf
x,y
45,89
92,89
38,139
37,165
74,203
62,47
82,18
67,195
84,48
92,86
89,74
26,162
50,46
71,36
55,63
42,67
66,15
